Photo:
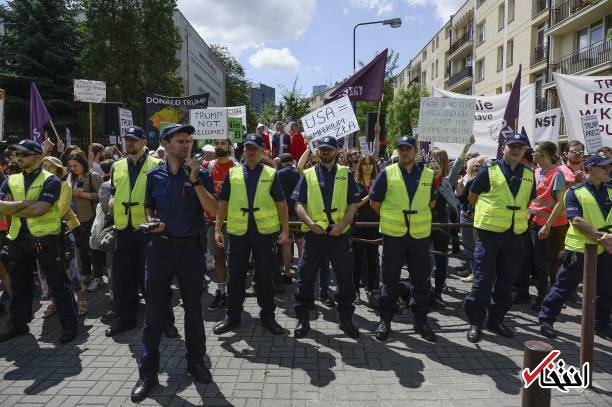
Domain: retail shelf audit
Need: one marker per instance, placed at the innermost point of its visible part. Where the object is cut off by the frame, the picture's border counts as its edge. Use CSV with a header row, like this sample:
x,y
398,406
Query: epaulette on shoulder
x,y
492,162
577,186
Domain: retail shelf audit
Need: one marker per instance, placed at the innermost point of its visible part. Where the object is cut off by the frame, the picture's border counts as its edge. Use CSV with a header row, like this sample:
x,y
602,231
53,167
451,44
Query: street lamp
x,y
393,22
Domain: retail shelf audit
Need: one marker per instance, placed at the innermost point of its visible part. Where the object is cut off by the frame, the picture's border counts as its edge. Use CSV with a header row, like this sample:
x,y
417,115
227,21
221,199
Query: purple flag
x,y
366,84
39,116
511,115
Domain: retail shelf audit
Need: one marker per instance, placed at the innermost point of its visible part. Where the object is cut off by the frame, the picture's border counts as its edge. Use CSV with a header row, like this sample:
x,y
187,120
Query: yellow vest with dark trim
x,y
264,208
45,225
315,205
128,203
399,215
575,239
497,210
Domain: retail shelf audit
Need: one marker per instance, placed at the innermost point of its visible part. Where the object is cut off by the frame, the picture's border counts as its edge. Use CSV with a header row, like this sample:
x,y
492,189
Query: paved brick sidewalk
x,y
253,368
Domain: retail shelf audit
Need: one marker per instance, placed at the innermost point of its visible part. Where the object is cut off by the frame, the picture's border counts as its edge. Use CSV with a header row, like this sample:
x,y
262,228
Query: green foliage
x,y
403,112
292,106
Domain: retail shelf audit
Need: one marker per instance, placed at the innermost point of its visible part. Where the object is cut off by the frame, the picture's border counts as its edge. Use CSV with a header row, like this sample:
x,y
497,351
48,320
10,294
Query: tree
x,y
403,112
41,45
293,104
269,115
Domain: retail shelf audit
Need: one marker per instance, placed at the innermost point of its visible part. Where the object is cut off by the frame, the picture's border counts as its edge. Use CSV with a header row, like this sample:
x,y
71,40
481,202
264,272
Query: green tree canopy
x,y
403,112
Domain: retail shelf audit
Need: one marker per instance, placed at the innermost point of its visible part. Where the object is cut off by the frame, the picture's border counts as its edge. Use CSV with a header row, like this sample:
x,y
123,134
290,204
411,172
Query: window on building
x,y
480,33
498,91
500,58
424,54
540,37
500,16
480,69
510,53
437,42
433,46
508,87
436,68
510,11
433,70
446,33
423,78
479,2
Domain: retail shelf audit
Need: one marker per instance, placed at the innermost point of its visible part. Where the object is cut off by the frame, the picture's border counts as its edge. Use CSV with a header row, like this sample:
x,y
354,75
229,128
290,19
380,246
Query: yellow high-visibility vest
x,y
575,239
315,205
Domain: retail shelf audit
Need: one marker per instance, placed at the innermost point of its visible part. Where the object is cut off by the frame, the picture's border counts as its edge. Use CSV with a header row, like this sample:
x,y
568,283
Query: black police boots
x,y
225,326
13,331
302,328
349,329
474,333
143,388
383,331
199,372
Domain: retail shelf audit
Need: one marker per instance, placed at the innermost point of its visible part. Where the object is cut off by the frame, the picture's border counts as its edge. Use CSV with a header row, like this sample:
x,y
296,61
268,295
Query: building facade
x,y
261,95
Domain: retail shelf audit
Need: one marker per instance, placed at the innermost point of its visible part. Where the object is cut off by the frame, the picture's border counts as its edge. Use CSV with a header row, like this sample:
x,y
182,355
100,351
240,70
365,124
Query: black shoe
x,y
547,330
272,326
383,331
521,298
349,329
199,372
218,302
436,302
500,329
603,332
425,330
119,327
474,334
302,328
327,300
142,389
171,332
109,317
68,335
225,326
13,331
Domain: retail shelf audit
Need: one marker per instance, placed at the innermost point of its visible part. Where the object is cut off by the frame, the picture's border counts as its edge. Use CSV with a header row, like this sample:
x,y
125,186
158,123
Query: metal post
x,y
589,288
534,395
90,123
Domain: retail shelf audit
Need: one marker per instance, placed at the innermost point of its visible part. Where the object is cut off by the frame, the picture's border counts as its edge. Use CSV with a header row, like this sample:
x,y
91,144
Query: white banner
x,y
2,98
547,126
209,123
584,96
238,111
125,120
488,117
446,120
336,119
89,91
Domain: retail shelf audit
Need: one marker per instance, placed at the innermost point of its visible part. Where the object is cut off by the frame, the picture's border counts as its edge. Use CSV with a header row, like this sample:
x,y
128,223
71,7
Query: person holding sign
x,y
588,206
403,196
326,199
253,202
501,193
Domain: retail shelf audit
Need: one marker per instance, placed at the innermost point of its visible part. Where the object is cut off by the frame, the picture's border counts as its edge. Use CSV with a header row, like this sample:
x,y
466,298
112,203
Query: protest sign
x,y
234,129
209,123
238,111
591,133
446,120
547,126
363,144
582,95
89,91
488,119
336,119
125,120
2,97
163,109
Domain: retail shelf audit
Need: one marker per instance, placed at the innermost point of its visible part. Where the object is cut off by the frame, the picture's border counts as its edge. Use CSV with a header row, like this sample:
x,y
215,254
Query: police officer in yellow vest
x,y
128,180
403,195
500,193
588,206
253,202
30,198
326,198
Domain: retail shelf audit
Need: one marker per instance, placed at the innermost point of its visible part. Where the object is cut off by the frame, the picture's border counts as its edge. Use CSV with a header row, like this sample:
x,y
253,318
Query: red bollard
x,y
534,395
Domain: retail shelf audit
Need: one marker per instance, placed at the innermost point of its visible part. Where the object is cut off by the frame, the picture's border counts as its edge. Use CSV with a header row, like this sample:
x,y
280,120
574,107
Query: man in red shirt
x,y
298,146
218,169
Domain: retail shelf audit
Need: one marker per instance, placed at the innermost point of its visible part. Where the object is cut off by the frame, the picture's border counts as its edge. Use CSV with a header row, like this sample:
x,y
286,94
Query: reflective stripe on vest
x,y
497,209
315,205
264,208
575,239
398,215
47,224
128,203
541,207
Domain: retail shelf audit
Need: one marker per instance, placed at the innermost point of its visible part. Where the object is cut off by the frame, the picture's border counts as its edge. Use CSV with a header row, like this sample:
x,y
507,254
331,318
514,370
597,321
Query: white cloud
x,y
444,8
276,59
345,11
317,69
248,24
381,6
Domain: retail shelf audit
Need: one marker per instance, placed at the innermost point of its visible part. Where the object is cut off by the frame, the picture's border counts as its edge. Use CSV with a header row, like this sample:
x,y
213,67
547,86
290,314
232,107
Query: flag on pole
x,y
68,137
39,116
366,84
511,115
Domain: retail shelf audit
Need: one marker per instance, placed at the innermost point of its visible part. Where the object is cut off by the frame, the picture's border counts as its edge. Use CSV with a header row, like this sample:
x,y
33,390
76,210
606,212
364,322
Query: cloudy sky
x,y
279,40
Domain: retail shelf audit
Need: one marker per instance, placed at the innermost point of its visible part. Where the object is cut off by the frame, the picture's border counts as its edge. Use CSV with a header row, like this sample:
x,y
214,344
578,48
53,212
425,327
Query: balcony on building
x,y
539,55
590,60
460,79
463,45
571,15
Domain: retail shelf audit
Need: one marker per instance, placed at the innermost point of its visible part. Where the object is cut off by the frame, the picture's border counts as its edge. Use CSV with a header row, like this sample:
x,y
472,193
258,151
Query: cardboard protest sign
x,y
234,129
238,111
446,120
547,126
591,133
89,91
125,120
336,119
164,109
209,123
363,144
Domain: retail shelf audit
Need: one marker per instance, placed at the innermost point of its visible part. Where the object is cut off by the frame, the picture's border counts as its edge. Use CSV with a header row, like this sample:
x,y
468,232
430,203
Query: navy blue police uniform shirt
x,y
289,178
573,207
251,179
50,190
411,180
326,181
482,182
175,200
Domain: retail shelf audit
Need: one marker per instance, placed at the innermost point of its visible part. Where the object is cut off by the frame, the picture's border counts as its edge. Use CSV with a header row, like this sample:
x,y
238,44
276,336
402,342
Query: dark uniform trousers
x,y
317,249
498,258
396,252
568,278
239,248
536,263
23,253
129,274
164,258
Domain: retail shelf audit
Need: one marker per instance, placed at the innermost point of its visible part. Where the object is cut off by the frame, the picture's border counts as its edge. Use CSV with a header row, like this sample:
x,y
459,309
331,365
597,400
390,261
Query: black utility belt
x,y
190,241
